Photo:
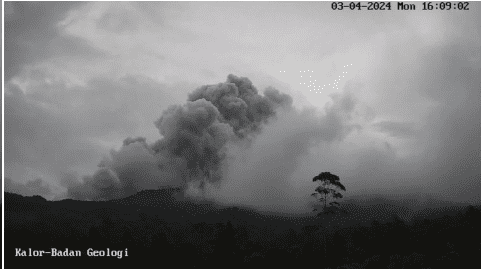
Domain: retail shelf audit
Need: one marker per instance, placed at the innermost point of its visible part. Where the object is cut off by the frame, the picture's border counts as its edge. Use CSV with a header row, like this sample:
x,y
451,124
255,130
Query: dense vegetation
x,y
157,227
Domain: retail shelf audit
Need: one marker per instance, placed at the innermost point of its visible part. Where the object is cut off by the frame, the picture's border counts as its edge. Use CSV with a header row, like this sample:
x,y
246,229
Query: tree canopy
x,y
328,189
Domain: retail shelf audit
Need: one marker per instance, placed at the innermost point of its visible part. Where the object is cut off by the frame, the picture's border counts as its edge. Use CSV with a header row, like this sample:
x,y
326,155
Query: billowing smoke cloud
x,y
193,134
193,144
240,105
134,167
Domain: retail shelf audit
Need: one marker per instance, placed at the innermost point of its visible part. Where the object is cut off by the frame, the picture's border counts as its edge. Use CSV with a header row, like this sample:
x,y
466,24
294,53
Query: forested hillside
x,y
160,225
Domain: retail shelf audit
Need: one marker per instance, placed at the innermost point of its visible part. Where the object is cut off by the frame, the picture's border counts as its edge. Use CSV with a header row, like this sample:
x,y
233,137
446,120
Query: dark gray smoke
x,y
240,105
134,167
193,143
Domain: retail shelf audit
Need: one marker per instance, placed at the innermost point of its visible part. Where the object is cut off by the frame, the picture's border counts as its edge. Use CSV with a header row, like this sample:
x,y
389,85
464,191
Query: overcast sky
x,y
388,100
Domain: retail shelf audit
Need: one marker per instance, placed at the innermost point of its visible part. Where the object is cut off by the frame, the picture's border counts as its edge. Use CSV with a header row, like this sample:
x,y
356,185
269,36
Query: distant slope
x,y
407,207
170,203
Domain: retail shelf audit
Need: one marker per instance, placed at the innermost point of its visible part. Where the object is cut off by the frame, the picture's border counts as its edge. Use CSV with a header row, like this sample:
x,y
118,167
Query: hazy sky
x,y
386,99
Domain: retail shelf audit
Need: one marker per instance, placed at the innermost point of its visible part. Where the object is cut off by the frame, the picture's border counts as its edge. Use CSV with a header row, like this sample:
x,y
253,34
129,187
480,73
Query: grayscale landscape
x,y
214,134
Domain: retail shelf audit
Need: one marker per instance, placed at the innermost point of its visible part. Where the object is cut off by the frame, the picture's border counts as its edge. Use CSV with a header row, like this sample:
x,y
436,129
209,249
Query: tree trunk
x,y
202,187
325,200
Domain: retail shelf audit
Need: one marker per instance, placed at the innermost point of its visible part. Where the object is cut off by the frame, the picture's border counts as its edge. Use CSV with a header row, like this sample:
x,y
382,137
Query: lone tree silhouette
x,y
328,189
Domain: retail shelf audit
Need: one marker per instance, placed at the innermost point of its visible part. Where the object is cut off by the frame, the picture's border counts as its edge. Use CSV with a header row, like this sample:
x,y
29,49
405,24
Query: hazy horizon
x,y
104,99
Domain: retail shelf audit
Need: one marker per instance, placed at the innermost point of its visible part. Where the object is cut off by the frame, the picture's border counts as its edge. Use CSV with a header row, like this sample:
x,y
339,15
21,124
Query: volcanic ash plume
x,y
240,105
193,143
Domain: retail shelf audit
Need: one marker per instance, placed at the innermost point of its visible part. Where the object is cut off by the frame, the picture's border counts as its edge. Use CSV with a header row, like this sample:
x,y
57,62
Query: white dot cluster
x,y
308,78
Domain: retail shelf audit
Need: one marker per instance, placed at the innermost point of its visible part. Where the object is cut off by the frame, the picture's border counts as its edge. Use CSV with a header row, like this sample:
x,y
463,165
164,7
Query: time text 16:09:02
x,y
400,6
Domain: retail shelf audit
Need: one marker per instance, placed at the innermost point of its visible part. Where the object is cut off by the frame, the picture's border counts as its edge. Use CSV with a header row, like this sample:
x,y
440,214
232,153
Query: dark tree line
x,y
357,238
